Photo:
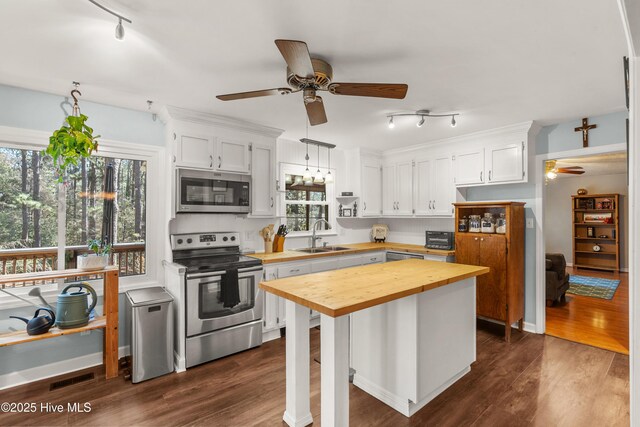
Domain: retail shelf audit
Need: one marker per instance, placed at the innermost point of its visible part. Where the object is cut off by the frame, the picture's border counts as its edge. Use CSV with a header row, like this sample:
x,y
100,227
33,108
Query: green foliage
x,y
97,246
69,143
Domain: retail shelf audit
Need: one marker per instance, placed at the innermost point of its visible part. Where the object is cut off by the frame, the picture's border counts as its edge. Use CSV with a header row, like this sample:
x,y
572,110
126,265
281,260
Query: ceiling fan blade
x,y
571,167
296,55
572,172
254,94
315,111
377,90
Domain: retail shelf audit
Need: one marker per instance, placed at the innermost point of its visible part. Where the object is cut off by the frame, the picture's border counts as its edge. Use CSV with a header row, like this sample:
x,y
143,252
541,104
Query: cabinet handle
x,y
295,270
271,201
219,162
434,205
174,158
480,175
372,259
210,161
429,204
475,238
489,175
482,239
365,205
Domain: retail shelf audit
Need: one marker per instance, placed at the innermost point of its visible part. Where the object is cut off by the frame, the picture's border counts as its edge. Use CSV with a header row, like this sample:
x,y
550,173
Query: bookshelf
x,y
596,220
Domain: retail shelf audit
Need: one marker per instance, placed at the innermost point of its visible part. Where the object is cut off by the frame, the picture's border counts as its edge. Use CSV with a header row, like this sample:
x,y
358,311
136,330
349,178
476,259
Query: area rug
x,y
592,286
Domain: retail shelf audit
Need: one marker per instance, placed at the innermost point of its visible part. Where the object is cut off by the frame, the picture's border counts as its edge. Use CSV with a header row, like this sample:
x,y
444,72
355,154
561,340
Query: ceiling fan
x,y
552,171
311,75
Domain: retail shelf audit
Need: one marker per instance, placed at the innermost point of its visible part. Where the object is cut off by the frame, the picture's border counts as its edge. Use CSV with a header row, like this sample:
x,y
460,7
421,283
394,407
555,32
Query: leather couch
x,y
557,278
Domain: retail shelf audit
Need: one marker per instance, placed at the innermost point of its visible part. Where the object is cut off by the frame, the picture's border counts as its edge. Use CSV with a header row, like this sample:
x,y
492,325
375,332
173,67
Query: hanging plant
x,y
73,141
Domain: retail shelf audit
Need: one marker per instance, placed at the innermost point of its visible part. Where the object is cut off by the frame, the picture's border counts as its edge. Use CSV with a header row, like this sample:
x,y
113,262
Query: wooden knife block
x,y
278,243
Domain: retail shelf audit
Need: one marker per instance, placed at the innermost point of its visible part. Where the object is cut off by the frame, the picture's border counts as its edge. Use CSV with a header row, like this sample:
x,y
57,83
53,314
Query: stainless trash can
x,y
151,328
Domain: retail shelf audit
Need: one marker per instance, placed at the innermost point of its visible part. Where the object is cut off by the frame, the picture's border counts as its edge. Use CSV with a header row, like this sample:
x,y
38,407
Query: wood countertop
x,y
339,292
354,248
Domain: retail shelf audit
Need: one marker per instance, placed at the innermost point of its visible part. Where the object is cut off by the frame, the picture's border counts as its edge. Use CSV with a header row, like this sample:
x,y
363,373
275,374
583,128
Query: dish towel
x,y
229,288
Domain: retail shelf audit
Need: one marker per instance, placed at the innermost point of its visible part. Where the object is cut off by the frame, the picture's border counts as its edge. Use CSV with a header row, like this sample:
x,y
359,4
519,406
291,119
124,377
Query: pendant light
x,y
319,179
328,179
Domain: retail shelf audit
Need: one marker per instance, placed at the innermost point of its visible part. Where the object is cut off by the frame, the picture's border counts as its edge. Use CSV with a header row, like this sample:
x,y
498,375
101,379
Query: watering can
x,y
39,325
73,308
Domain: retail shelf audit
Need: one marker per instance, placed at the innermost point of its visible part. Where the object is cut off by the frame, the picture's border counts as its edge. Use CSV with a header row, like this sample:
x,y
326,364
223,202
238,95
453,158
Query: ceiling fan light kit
x,y
551,170
310,75
422,114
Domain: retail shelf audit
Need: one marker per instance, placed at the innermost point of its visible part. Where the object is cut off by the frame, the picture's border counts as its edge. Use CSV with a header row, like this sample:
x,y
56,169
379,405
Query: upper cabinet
x,y
194,151
469,167
505,162
397,188
233,155
262,180
370,185
434,189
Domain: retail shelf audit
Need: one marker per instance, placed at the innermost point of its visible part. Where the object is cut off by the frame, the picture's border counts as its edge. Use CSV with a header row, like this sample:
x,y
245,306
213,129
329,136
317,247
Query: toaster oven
x,y
439,240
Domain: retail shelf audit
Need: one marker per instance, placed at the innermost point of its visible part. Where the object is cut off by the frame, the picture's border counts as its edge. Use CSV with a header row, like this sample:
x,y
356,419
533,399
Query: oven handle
x,y
220,273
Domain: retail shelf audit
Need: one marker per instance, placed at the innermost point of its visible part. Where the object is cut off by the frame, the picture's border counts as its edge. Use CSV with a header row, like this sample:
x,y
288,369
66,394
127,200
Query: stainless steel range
x,y
222,303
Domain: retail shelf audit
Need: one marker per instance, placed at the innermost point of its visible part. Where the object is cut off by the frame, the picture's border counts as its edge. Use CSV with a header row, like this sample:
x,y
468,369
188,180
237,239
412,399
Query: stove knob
x,y
189,241
233,238
179,241
225,238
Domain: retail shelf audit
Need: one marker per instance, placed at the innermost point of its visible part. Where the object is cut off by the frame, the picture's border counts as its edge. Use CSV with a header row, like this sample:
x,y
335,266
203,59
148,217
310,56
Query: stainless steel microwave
x,y
212,192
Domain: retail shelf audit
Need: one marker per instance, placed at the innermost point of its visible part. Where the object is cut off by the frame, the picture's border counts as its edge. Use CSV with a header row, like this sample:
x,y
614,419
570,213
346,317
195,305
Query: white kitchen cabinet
x,y
194,151
347,261
326,264
373,258
468,167
233,155
397,188
271,303
371,180
505,162
435,191
262,180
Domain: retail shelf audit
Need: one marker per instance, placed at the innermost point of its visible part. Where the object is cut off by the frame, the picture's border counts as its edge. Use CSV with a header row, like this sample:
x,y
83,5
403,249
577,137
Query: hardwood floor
x,y
534,380
593,321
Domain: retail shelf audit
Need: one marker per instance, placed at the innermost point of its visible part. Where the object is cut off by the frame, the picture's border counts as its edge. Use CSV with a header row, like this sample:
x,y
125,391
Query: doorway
x,y
586,250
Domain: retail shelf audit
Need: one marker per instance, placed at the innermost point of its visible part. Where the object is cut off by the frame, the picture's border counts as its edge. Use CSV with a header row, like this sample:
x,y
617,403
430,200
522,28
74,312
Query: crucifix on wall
x,y
585,128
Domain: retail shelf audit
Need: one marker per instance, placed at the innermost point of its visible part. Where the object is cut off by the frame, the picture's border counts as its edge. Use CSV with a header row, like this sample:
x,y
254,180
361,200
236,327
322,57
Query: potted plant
x,y
97,260
71,142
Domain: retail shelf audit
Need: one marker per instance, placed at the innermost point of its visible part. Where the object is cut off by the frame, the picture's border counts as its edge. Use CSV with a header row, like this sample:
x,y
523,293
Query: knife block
x,y
278,243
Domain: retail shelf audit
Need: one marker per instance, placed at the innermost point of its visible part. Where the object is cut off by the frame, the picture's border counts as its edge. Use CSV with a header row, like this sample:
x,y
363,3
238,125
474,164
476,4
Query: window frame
x,y
295,169
26,139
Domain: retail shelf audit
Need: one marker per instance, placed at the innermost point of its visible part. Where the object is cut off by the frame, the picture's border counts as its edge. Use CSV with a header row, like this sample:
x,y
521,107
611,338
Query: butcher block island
x,y
412,331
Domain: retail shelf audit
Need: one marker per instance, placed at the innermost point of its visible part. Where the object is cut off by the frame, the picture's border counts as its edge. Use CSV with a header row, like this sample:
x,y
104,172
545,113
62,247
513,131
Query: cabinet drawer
x,y
349,261
323,265
293,270
373,258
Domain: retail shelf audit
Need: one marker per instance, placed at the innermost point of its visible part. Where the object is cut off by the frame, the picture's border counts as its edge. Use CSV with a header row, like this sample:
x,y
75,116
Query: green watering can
x,y
73,308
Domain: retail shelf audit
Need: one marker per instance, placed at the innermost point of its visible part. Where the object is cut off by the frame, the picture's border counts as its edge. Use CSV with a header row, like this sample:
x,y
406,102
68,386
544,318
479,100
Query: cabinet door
x,y
442,189
232,156
467,249
389,189
195,151
262,181
282,312
371,191
505,163
271,302
373,258
423,175
469,167
491,300
404,188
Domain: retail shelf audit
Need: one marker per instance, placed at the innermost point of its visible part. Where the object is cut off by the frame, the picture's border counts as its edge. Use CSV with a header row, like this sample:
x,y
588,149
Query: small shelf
x,y
596,238
595,210
347,197
20,337
597,253
595,267
595,224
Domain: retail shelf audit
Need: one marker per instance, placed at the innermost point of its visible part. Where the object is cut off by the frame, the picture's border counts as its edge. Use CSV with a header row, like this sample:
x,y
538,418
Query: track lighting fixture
x,y
119,27
422,114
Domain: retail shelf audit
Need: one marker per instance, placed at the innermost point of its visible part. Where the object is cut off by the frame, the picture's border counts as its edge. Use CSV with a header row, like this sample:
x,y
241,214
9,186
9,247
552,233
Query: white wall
x,y
558,215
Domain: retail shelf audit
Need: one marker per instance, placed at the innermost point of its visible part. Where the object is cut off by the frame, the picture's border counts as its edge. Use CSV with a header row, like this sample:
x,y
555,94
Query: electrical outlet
x,y
85,333
529,222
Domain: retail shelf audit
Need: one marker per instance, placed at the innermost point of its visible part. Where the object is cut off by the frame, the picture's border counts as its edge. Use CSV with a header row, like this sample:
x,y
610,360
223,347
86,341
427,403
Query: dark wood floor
x,y
534,380
593,321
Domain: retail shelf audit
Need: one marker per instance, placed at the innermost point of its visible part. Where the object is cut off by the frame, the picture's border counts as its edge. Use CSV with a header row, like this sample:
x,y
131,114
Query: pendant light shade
x,y
120,30
307,175
328,179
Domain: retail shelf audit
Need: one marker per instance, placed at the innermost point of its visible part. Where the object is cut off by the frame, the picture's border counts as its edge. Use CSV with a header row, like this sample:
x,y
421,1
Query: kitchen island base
x,y
408,351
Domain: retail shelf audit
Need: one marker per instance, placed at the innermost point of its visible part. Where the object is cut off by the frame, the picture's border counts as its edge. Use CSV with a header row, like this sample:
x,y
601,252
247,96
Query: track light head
x,y
453,121
120,30
391,124
421,122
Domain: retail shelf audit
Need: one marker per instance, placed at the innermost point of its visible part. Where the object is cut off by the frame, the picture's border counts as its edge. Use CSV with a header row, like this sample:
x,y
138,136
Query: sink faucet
x,y
314,227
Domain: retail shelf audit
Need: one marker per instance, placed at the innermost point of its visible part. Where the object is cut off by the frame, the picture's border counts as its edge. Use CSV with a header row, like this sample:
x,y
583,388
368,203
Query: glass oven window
x,y
210,298
212,192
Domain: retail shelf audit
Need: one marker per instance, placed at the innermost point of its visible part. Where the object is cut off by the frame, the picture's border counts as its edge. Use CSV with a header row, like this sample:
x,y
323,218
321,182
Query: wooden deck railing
x,y
129,257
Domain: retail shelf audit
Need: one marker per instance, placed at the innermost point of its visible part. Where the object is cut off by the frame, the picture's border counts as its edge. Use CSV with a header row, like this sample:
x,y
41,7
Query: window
x,y
303,204
29,221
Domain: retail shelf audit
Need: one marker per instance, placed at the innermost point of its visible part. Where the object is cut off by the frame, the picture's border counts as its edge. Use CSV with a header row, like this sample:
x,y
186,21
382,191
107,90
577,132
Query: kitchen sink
x,y
322,249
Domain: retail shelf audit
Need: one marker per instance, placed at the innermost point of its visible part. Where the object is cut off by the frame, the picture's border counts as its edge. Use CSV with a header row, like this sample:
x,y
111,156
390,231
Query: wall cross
x,y
585,128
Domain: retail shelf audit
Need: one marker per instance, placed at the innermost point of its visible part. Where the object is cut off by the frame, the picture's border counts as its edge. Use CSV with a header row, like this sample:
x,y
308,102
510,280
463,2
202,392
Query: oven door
x,y
205,310
198,191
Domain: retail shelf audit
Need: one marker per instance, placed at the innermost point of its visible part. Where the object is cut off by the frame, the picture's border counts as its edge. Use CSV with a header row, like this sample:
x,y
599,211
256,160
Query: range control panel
x,y
204,240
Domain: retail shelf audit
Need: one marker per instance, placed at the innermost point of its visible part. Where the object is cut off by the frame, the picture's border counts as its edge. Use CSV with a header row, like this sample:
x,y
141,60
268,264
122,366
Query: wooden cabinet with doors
x,y
500,293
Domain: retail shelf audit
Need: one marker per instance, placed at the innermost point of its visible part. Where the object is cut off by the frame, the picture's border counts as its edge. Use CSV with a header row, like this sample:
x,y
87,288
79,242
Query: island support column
x,y
298,409
334,370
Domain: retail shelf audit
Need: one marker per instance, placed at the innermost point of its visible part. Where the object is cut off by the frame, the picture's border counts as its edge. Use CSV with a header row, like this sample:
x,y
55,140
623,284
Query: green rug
x,y
592,286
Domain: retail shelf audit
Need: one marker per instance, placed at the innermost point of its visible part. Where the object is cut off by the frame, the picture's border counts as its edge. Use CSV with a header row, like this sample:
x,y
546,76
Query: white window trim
x,y
293,168
27,139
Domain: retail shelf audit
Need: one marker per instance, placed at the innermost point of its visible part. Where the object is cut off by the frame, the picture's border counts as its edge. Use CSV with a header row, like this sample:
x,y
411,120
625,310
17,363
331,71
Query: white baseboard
x,y
526,326
42,372
270,335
